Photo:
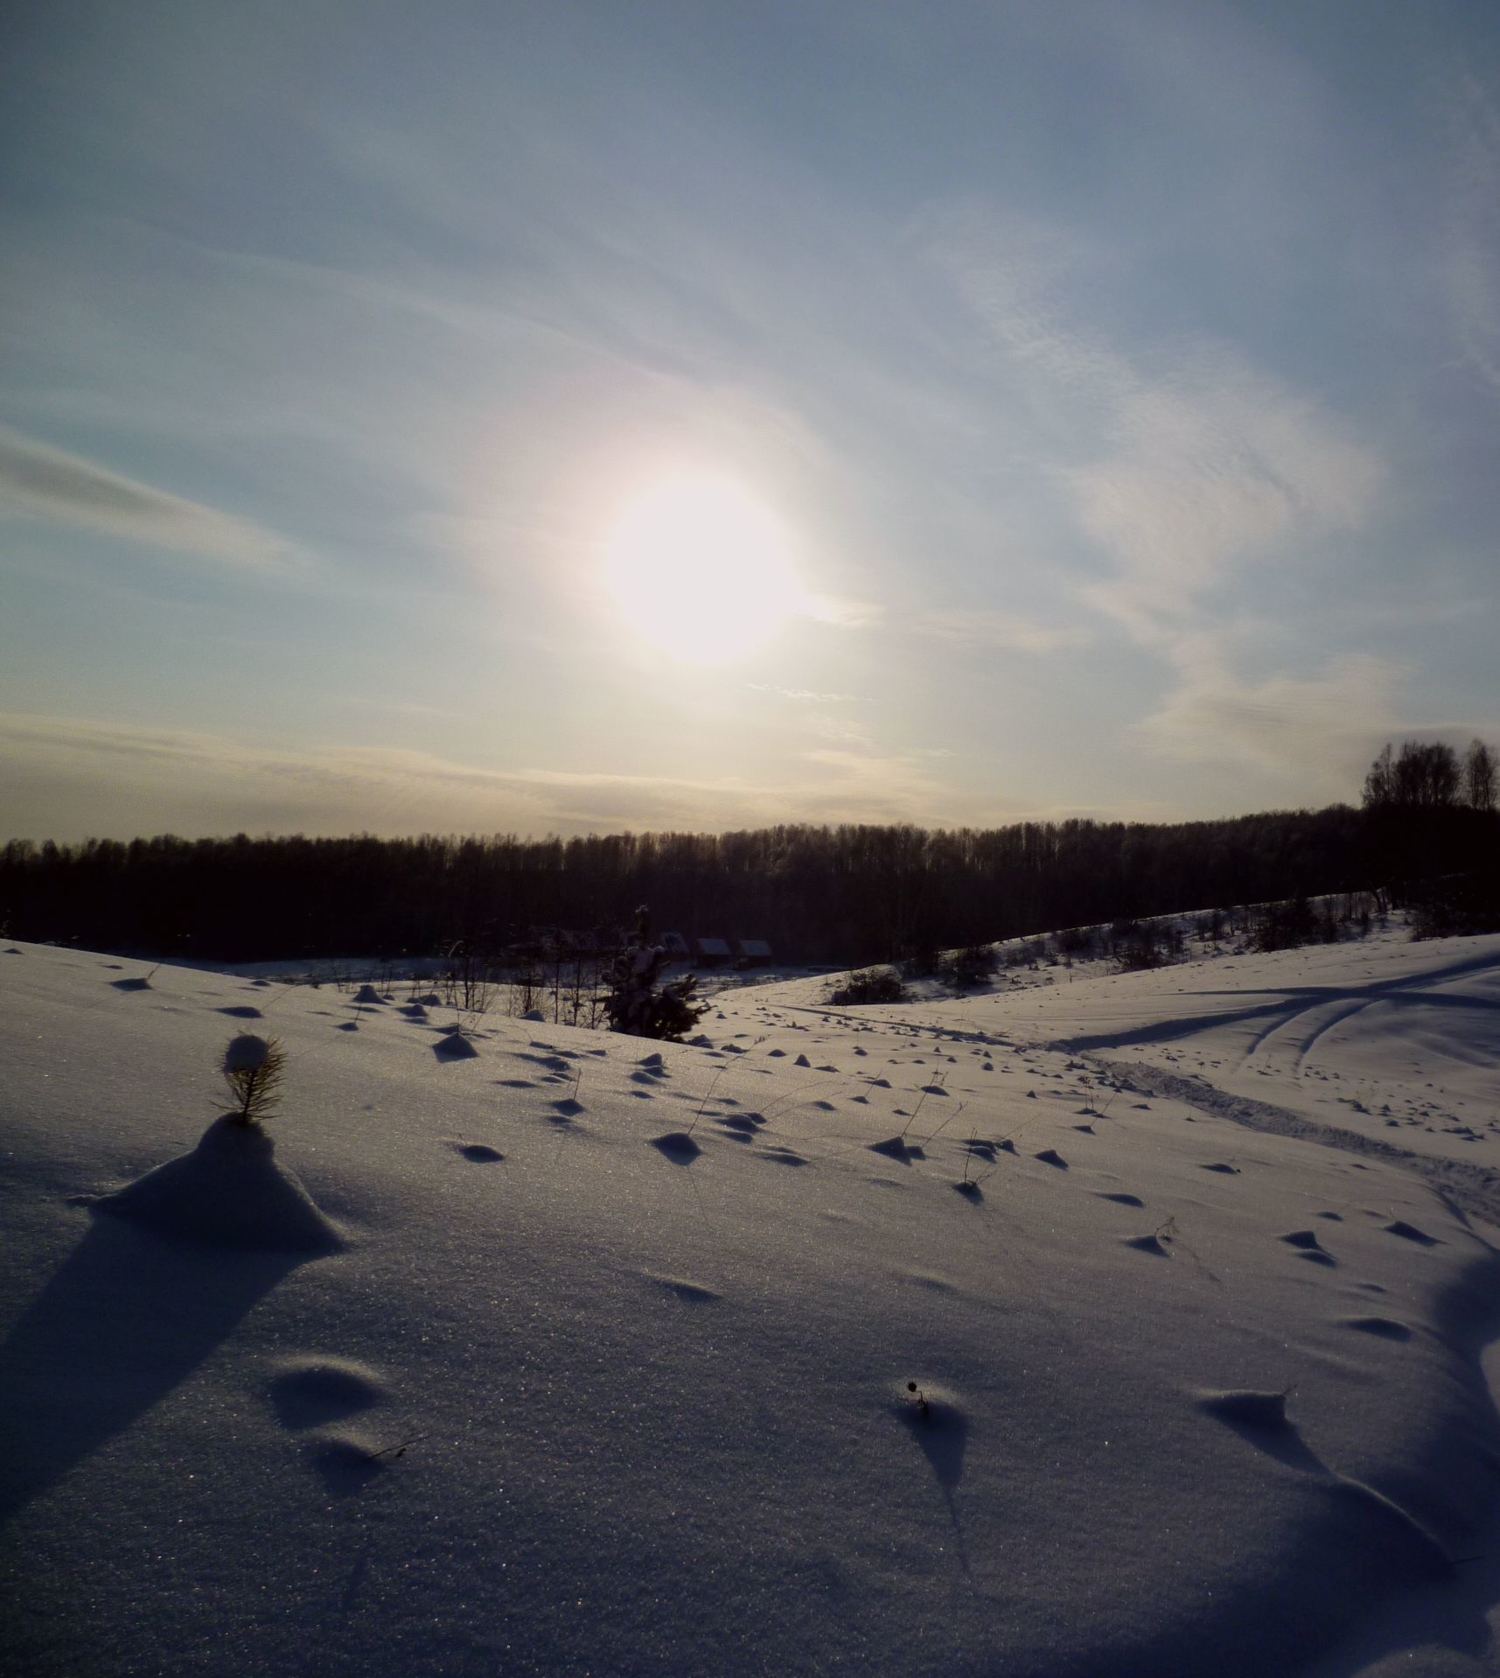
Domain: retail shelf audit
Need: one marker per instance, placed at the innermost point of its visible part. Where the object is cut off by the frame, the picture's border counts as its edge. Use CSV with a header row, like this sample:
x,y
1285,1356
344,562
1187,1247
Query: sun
x,y
700,568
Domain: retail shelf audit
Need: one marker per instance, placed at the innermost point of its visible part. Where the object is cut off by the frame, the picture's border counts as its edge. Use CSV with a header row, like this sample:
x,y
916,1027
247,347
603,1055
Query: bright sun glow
x,y
700,568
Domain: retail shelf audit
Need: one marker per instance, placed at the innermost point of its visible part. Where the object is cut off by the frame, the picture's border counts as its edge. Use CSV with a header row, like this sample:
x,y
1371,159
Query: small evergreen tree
x,y
639,1002
253,1068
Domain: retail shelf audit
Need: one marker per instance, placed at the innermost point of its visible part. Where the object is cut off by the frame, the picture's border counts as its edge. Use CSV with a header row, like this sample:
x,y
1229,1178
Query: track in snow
x,y
1471,1189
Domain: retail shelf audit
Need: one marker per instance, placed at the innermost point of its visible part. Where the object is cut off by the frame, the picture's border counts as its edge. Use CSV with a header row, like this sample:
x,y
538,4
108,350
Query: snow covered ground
x,y
1192,1270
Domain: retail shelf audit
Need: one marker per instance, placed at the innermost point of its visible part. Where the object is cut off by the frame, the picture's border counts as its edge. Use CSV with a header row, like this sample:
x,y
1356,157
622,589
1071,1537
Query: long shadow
x,y
1378,987
1291,1001
125,1319
942,1430
1343,1550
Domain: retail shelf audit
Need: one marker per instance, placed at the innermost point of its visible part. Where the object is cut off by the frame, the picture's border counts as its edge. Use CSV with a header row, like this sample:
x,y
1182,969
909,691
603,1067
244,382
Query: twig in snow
x,y
708,1096
946,1122
398,1450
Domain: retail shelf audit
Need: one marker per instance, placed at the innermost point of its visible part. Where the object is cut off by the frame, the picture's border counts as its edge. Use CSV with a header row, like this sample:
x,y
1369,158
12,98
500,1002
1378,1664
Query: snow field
x,y
565,1401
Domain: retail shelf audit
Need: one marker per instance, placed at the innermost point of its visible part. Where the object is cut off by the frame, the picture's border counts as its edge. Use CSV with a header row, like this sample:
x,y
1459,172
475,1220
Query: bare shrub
x,y
870,984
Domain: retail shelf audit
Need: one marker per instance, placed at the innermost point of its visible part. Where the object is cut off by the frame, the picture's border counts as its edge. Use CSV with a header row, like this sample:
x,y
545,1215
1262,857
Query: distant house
x,y
554,943
753,952
675,945
710,952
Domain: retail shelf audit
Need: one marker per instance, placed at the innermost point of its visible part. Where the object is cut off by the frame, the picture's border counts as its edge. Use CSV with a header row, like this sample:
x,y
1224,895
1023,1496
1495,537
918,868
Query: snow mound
x,y
313,1393
895,1147
246,1053
454,1045
1248,1408
228,1192
677,1145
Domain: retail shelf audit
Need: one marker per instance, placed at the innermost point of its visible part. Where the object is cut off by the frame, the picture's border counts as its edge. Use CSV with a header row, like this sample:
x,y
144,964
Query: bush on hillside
x,y
870,984
1138,954
1286,926
968,968
1456,908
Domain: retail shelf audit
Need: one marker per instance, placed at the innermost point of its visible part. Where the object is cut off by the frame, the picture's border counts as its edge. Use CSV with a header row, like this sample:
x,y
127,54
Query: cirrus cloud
x,y
93,777
42,482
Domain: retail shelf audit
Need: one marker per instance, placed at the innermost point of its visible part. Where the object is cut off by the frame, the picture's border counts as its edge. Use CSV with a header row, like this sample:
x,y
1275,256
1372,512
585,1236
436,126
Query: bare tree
x,y
1421,777
1480,776
1380,783
1427,775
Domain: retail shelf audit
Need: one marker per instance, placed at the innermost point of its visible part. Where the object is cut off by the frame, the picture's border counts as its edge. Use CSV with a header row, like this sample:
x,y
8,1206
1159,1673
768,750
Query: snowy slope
x,y
656,1397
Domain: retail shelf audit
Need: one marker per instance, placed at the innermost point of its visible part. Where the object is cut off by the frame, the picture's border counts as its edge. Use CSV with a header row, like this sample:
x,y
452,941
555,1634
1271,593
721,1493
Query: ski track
x,y
1468,1190
1339,1013
1291,1004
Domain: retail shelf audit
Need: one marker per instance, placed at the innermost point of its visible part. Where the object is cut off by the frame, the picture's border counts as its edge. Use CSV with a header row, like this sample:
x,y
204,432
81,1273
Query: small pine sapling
x,y
642,1004
253,1068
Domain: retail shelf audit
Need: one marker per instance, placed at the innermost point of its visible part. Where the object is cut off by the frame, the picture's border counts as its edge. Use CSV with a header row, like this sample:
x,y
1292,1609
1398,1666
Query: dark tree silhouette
x,y
640,1002
854,895
1422,777
1480,776
1432,836
1380,783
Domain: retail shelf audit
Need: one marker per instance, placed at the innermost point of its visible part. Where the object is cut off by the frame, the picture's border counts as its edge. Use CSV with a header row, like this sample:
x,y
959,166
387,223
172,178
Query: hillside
x,y
1191,1270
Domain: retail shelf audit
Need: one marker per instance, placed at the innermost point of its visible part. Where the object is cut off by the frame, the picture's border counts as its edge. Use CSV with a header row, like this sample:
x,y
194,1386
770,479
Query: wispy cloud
x,y
1002,631
840,731
874,786
1309,727
114,779
802,695
1200,460
42,482
842,613
1185,360
1012,273
1184,463
1470,255
960,626
1213,465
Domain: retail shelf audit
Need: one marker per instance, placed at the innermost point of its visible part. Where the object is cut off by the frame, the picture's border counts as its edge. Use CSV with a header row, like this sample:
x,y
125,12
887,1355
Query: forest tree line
x,y
845,894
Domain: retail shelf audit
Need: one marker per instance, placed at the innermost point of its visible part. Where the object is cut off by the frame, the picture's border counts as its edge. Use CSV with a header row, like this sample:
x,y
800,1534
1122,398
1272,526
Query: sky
x,y
569,418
